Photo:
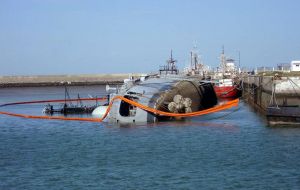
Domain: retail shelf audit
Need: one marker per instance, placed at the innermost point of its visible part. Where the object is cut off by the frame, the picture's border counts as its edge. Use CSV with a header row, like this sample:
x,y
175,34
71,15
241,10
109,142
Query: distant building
x,y
295,66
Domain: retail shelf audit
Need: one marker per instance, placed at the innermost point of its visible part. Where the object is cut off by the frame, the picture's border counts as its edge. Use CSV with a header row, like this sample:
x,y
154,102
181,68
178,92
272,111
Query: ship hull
x,y
226,91
159,93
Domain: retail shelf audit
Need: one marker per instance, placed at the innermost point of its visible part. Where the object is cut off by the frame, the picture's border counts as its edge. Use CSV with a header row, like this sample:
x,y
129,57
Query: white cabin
x,y
230,65
295,66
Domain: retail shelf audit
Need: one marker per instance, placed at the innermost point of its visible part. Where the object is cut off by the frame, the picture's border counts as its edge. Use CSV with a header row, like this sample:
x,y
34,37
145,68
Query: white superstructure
x,y
295,65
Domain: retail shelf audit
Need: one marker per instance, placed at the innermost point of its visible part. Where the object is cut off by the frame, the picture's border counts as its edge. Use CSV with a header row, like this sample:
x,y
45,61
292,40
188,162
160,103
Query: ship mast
x,y
194,59
223,61
170,67
171,63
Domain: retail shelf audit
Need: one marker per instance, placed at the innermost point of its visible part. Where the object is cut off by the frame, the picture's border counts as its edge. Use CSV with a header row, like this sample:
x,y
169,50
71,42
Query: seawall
x,y
58,80
278,98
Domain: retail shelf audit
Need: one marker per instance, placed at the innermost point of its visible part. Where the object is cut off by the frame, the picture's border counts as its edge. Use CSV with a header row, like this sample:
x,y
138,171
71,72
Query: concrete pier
x,y
277,97
57,80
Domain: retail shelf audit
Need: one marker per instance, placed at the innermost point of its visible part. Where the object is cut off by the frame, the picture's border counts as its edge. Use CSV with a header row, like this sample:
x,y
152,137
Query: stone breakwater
x,y
58,80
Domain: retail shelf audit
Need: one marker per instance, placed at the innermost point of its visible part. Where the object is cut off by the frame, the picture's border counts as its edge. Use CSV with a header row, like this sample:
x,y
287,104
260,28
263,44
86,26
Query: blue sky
x,y
121,36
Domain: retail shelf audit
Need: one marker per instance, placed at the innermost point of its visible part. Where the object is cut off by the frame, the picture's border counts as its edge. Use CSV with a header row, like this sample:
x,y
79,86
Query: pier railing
x,y
271,69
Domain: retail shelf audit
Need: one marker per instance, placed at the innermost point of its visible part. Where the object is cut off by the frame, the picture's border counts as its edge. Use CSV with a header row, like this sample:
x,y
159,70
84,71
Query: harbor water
x,y
232,149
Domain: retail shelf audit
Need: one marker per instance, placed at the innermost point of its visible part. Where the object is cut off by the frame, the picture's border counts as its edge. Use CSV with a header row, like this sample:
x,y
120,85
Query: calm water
x,y
229,150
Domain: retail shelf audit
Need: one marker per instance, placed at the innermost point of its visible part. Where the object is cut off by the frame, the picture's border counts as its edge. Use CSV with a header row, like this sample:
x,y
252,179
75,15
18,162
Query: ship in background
x,y
196,66
225,78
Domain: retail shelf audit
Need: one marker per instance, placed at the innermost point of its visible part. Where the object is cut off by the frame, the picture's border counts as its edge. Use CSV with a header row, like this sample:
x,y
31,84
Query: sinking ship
x,y
167,91
168,95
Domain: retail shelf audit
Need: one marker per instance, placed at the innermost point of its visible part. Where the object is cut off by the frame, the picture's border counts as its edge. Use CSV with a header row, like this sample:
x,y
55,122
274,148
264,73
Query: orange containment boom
x,y
217,108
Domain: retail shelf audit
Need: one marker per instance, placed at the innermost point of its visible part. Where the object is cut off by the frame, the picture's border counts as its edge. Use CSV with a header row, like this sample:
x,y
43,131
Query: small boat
x,y
68,107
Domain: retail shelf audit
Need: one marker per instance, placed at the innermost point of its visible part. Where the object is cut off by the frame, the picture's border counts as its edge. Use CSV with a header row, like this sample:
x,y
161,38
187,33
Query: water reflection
x,y
186,123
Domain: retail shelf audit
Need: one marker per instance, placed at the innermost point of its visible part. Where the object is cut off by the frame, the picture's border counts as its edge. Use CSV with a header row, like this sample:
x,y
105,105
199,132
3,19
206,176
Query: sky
x,y
44,37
